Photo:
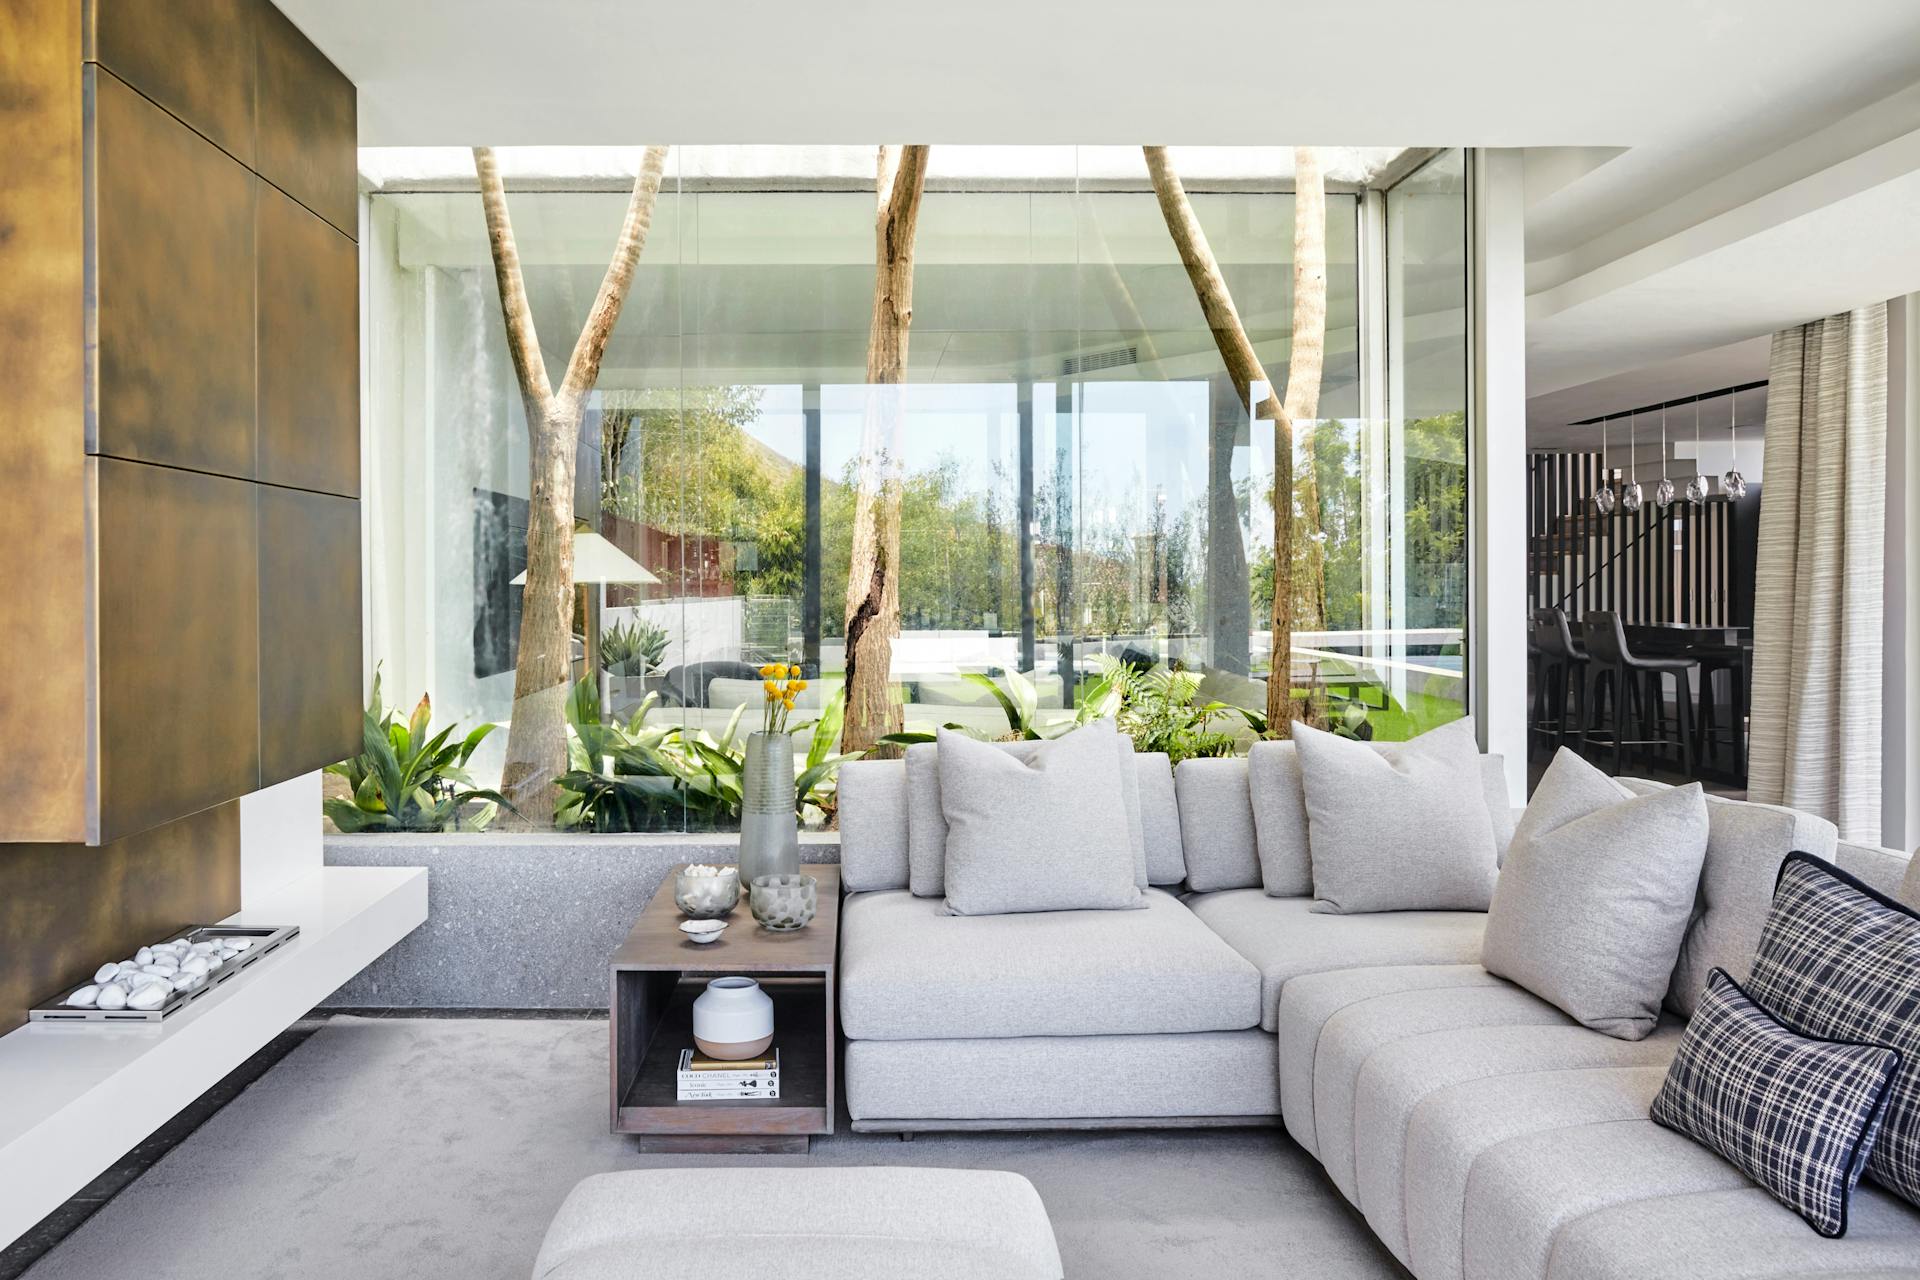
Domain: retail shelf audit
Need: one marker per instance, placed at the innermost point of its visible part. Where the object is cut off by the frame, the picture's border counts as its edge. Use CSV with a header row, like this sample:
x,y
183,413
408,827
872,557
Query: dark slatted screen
x,y
1650,566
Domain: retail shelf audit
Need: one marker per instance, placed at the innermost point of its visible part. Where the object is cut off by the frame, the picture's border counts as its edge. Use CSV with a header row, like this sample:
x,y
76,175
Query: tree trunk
x,y
543,673
1304,366
873,576
1250,378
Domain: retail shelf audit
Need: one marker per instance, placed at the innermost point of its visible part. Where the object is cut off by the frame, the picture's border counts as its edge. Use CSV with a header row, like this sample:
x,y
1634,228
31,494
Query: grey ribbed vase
x,y
769,825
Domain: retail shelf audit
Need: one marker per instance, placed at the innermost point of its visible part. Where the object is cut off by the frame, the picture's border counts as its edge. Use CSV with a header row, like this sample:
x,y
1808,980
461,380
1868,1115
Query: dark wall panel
x,y
193,57
178,641
173,292
309,344
309,631
308,131
43,652
66,908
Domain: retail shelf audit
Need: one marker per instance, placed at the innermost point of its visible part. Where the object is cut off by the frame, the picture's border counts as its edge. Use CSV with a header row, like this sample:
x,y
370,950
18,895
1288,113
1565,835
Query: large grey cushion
x,y
926,814
1030,1081
1280,814
1595,896
1401,828
1050,832
1284,939
1745,846
858,1223
908,971
1216,824
1159,818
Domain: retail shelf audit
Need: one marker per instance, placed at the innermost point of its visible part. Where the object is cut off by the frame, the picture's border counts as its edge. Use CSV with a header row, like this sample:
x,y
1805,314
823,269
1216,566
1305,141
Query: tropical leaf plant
x,y
628,776
404,780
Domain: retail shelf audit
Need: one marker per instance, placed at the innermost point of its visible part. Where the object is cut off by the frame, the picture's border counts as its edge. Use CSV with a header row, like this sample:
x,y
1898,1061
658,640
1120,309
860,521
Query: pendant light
x,y
1698,485
1663,492
1603,496
1630,495
1733,484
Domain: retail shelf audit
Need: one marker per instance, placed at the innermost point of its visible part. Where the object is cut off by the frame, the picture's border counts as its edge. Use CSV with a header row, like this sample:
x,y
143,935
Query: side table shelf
x,y
657,973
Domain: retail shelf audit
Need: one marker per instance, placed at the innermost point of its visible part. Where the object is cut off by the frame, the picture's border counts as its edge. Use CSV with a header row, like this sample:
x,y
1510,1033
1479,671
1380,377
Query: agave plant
x,y
403,780
634,648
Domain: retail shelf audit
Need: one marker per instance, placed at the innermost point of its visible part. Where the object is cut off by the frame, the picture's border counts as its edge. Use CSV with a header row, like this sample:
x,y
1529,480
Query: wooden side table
x,y
657,973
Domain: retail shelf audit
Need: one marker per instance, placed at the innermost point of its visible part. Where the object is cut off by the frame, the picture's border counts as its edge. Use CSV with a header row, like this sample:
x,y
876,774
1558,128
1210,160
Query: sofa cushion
x,y
1745,845
1455,1124
1216,824
1841,961
1795,1114
1737,1234
927,821
909,971
1285,939
1595,895
1397,1081
1397,829
873,825
1280,814
1050,832
1159,818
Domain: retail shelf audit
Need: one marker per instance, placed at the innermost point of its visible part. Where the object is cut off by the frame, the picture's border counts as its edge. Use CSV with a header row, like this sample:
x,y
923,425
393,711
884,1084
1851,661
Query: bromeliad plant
x,y
403,780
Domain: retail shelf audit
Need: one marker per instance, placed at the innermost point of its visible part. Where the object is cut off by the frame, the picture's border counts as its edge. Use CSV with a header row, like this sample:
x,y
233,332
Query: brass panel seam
x,y
221,475
100,66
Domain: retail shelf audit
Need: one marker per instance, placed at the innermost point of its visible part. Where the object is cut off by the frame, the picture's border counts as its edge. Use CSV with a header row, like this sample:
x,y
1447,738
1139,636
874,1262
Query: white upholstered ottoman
x,y
850,1224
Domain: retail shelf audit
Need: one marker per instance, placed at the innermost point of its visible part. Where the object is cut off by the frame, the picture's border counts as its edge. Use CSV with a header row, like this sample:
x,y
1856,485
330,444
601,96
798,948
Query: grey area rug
x,y
426,1148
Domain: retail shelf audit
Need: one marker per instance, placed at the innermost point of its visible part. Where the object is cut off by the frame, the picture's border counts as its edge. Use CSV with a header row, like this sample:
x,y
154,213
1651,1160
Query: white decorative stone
x,y
151,996
215,961
202,948
160,971
187,982
112,997
240,944
194,964
105,973
143,956
84,997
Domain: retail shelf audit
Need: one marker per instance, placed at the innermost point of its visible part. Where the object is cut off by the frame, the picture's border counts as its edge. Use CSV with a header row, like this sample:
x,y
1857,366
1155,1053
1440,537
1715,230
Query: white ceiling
x,y
1246,72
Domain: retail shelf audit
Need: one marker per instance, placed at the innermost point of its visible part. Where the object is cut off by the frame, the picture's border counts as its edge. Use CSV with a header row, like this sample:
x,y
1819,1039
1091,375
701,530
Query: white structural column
x,y
1497,541
1900,684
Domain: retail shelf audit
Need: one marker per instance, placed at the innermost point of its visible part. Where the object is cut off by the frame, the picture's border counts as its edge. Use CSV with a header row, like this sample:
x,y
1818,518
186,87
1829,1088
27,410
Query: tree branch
x,y
584,366
522,343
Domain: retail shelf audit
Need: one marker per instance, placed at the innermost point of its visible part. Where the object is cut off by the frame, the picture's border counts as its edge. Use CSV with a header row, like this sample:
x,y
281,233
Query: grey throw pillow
x,y
1595,896
1049,832
1397,828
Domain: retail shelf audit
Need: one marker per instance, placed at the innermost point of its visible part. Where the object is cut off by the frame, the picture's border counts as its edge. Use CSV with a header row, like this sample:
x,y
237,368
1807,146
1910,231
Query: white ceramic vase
x,y
733,1019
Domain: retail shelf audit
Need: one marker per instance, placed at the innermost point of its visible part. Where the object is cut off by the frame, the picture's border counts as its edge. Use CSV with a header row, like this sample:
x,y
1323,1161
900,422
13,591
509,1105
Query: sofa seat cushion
x,y
1286,939
909,971
1737,1234
1454,1125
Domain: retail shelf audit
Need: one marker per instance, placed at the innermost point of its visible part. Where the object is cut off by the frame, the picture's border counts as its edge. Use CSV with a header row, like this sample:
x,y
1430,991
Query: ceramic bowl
x,y
783,903
707,897
703,931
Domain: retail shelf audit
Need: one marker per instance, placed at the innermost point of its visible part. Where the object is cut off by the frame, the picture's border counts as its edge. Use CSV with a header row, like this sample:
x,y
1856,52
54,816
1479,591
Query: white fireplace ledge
x,y
75,1098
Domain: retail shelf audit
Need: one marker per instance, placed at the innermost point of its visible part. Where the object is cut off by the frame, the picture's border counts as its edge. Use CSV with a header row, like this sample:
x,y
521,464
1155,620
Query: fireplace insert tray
x,y
266,940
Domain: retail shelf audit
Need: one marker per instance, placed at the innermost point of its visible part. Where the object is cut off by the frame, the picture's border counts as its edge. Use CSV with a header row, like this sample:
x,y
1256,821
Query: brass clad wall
x,y
66,908
309,630
309,341
43,653
194,58
179,677
174,295
308,130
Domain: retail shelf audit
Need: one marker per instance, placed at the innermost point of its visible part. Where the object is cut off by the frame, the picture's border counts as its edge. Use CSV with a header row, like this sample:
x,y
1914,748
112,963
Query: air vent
x,y
1113,359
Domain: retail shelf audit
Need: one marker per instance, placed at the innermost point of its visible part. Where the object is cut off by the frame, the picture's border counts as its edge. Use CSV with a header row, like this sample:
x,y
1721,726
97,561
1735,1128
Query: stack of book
x,y
704,1079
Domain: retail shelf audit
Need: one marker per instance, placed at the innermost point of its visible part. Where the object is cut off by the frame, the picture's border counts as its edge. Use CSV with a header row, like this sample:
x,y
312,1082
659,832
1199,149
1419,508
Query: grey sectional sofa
x,y
1481,1132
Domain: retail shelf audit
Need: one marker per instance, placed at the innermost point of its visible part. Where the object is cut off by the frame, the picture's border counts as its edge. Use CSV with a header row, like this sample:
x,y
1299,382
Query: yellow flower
x,y
773,690
798,685
768,671
788,702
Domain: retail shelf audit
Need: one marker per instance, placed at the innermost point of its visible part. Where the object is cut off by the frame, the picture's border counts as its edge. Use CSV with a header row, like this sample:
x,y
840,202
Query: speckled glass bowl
x,y
783,903
707,897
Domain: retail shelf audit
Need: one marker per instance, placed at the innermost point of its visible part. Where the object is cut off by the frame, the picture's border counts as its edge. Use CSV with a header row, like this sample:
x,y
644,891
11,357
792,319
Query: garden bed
x,y
522,920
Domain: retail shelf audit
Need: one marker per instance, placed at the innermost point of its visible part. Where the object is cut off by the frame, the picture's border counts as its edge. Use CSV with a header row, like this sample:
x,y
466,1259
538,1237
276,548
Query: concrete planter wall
x,y
522,921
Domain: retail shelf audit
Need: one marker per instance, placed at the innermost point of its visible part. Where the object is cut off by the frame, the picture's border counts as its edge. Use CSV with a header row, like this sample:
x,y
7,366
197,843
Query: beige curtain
x,y
1817,595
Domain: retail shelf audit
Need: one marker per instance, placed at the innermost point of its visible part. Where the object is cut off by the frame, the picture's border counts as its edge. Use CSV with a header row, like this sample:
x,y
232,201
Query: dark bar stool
x,y
1561,677
1642,682
1735,661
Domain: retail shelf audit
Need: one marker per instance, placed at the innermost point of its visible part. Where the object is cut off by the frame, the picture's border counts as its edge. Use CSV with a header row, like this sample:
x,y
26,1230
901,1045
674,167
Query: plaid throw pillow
x,y
1795,1114
1842,962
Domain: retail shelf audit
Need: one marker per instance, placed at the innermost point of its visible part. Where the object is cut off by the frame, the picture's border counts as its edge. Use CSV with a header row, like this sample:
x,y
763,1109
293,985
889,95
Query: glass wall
x,y
1081,482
